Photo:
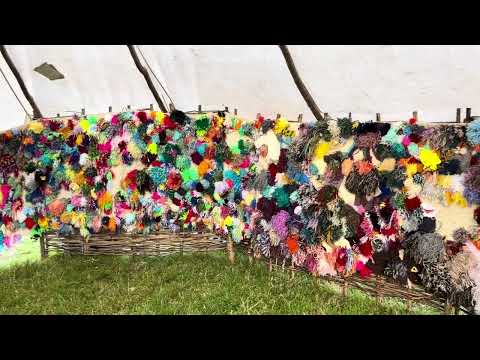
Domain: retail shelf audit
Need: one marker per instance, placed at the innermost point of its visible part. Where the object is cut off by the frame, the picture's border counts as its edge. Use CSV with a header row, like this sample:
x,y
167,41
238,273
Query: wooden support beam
x,y
345,287
36,111
468,115
448,308
230,250
300,85
146,75
42,247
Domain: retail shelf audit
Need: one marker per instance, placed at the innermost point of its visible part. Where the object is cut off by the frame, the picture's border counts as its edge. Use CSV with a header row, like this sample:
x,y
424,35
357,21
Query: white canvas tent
x,y
364,80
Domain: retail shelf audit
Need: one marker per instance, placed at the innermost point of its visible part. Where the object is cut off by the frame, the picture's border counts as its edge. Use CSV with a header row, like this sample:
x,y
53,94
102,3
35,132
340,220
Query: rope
x,y
14,93
154,75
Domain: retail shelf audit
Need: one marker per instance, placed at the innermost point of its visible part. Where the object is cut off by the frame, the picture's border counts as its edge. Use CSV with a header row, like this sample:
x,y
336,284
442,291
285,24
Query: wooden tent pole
x,y
146,75
300,85
36,111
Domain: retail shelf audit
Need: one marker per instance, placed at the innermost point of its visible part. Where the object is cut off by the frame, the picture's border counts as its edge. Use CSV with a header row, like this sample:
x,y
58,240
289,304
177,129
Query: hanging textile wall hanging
x,y
335,198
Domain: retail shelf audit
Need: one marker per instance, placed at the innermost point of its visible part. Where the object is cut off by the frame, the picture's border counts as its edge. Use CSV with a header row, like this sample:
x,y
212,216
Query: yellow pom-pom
x,y
429,159
444,181
280,125
228,221
43,222
36,127
85,125
152,148
411,169
79,139
159,116
321,150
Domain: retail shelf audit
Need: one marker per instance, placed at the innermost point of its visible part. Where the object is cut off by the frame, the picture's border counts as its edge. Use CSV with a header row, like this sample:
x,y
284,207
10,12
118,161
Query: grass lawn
x,y
189,284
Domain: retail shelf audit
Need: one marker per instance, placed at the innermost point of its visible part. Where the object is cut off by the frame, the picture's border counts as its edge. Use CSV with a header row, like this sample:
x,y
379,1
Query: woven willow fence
x,y
161,242
164,242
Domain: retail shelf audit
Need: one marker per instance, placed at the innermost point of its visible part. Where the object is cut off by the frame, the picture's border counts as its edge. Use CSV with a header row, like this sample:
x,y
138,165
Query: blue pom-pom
x,y
473,132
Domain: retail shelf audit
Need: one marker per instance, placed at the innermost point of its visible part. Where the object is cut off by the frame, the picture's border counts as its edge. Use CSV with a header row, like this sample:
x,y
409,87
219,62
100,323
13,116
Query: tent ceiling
x,y
13,114
364,80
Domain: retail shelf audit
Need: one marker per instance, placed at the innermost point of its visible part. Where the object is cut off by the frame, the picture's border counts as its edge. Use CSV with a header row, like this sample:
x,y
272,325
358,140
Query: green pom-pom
x,y
182,162
399,200
190,174
398,151
202,125
282,197
346,128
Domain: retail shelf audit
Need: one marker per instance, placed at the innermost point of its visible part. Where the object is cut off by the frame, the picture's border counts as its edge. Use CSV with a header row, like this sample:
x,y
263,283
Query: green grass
x,y
176,284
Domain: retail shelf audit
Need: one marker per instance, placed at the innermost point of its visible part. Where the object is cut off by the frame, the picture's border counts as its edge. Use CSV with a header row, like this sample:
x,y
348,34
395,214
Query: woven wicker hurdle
x,y
162,242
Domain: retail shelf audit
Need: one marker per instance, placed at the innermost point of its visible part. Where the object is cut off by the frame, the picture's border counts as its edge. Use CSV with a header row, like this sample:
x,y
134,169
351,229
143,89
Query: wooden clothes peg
x,y
459,115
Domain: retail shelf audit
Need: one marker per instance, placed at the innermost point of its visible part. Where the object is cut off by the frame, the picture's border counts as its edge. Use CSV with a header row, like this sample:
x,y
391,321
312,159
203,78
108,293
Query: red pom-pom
x,y
292,243
7,219
272,170
142,116
196,158
413,203
168,123
366,249
412,121
415,138
29,223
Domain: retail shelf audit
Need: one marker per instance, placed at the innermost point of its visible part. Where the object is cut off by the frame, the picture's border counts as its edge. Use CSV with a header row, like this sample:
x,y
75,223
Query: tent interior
x,y
392,80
